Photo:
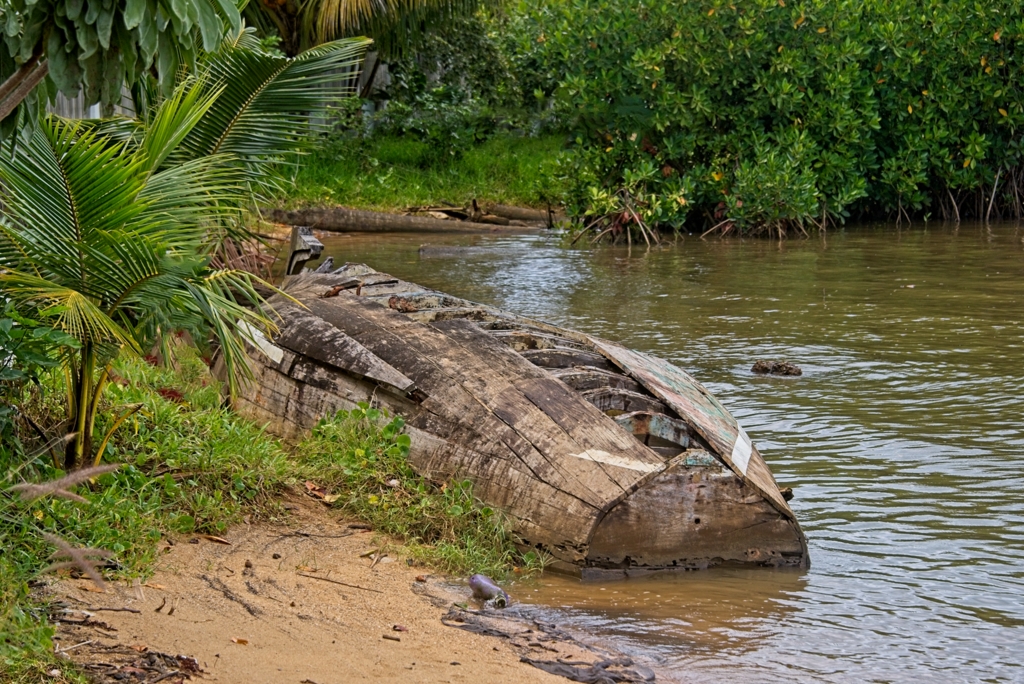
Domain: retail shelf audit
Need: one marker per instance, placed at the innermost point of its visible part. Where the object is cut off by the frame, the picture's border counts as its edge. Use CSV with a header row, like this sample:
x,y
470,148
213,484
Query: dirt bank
x,y
305,602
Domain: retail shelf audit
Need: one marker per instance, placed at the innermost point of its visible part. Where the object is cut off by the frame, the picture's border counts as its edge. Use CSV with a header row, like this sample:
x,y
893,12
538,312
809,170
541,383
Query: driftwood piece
x,y
480,216
304,247
447,212
358,221
519,213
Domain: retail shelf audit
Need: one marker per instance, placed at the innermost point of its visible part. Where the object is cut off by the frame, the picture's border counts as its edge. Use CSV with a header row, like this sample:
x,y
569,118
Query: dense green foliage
x,y
96,47
107,247
394,172
394,26
112,228
780,114
27,350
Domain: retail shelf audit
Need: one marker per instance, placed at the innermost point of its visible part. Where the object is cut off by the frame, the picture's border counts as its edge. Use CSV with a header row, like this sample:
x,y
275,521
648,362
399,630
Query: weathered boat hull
x,y
606,458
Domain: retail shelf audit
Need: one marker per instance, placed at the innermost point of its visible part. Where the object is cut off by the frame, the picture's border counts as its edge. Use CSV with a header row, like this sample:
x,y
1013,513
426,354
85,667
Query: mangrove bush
x,y
780,115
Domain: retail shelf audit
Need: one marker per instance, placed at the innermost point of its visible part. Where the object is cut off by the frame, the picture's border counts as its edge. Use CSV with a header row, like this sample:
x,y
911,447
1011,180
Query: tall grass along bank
x,y
392,173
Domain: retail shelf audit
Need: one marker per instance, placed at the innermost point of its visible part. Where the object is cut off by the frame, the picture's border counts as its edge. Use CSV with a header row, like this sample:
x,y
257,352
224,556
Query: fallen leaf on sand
x,y
90,587
315,490
155,586
240,642
219,540
331,498
141,648
133,671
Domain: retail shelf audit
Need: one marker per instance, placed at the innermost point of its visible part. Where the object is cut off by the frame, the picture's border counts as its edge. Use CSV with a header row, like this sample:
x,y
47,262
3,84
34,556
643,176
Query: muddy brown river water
x,y
903,440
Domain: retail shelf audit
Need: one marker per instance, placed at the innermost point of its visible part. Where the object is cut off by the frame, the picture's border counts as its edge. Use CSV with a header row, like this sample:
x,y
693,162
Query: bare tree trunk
x,y
1016,198
956,207
18,76
992,200
17,87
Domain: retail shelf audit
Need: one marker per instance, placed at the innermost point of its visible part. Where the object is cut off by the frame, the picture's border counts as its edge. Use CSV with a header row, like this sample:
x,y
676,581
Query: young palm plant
x,y
109,244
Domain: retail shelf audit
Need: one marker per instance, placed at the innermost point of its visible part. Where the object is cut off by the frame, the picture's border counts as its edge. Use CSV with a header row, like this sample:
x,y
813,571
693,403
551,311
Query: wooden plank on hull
x,y
493,372
566,358
699,408
581,379
313,337
548,400
487,369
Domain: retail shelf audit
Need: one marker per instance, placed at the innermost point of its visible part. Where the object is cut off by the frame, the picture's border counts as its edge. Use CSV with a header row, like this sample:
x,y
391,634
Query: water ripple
x,y
903,439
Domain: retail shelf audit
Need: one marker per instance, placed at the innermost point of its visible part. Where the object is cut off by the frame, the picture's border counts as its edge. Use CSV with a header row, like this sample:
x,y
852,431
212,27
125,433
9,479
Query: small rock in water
x,y
765,367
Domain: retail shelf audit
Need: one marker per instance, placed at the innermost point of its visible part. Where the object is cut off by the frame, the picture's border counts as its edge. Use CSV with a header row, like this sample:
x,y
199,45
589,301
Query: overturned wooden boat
x,y
606,458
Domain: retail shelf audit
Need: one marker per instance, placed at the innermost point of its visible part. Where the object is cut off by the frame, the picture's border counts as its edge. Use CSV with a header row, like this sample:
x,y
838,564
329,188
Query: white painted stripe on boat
x,y
256,338
599,456
741,452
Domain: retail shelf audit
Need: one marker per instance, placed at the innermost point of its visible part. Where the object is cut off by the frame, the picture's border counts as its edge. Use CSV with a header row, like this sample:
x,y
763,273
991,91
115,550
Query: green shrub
x,y
779,114
27,349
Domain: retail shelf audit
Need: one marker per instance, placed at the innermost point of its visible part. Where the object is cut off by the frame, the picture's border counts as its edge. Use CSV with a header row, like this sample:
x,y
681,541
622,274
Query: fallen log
x,y
519,213
358,221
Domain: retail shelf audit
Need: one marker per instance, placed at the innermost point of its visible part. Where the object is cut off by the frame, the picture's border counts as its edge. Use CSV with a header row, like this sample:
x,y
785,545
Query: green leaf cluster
x,y
98,46
782,114
27,349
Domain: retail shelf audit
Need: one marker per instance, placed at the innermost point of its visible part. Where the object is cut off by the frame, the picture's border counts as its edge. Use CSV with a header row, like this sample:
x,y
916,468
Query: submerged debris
x,y
485,588
765,367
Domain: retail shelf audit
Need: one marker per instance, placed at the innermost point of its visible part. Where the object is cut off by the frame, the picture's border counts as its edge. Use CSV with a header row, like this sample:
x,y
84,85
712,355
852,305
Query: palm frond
x,y
192,200
176,117
70,310
215,299
65,182
263,115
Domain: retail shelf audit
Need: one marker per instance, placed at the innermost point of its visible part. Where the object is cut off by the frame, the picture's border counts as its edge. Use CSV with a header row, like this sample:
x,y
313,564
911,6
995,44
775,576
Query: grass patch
x,y
191,465
361,455
388,173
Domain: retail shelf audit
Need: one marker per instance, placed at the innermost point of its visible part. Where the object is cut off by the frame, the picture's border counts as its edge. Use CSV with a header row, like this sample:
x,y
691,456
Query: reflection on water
x,y
903,439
